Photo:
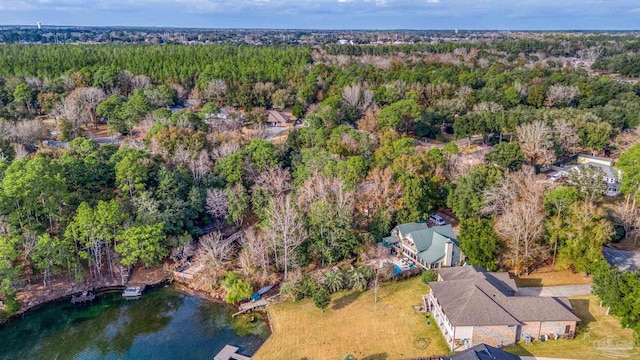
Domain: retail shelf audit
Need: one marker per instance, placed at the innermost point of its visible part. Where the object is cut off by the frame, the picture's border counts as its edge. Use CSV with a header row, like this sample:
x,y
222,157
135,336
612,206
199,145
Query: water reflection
x,y
163,324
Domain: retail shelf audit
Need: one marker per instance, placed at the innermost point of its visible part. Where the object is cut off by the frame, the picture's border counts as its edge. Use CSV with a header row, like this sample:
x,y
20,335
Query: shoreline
x,y
68,293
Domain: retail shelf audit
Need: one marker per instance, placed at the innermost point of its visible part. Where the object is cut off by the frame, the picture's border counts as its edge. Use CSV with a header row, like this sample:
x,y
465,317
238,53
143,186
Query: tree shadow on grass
x,y
345,300
380,356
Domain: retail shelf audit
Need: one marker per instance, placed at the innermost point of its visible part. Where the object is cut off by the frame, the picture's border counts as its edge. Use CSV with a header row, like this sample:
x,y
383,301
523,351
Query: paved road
x,y
459,142
623,260
561,291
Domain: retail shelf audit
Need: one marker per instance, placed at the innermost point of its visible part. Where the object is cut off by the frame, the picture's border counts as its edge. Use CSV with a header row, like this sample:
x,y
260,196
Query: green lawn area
x,y
355,324
596,334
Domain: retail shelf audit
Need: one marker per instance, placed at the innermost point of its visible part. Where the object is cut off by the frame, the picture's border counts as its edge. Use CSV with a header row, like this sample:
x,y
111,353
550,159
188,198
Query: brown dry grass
x,y
354,324
596,326
552,278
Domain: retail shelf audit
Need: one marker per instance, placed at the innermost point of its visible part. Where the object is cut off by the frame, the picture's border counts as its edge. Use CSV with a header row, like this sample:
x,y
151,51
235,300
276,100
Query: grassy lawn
x,y
552,278
595,326
354,324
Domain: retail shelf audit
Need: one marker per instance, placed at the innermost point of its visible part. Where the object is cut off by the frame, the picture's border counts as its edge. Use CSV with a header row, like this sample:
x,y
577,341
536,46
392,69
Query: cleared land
x,y
599,336
354,324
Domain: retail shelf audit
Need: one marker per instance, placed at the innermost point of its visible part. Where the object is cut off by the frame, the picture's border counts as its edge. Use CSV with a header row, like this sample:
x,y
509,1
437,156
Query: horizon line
x,y
45,26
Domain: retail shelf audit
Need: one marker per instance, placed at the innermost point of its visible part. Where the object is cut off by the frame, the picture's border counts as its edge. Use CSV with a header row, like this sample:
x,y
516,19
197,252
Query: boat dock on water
x,y
246,307
82,298
230,353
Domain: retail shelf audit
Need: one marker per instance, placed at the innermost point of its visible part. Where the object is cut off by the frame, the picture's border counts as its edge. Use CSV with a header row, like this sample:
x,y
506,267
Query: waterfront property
x,y
355,324
230,352
152,327
473,306
430,247
132,292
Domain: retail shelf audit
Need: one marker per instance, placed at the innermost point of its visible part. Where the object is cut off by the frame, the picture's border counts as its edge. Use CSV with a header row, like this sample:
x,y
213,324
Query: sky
x,y
331,14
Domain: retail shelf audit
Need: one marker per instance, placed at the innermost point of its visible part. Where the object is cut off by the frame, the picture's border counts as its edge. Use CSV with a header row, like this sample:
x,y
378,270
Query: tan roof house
x,y
278,118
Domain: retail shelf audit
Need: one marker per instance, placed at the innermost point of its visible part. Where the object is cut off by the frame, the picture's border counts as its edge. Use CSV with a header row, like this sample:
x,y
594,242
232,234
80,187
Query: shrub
x,y
322,299
429,276
237,289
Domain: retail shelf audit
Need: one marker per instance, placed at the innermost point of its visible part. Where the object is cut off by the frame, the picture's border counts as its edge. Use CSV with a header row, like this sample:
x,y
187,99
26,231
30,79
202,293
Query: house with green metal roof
x,y
430,247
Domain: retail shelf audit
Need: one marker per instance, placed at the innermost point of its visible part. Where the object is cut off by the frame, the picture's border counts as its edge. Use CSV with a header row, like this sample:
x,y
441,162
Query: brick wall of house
x,y
494,335
557,327
535,329
531,328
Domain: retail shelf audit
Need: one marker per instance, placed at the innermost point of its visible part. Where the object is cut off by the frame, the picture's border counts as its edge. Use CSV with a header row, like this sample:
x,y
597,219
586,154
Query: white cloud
x,y
13,5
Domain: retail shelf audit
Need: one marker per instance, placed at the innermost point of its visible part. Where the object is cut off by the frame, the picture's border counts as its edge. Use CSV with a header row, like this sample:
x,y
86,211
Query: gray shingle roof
x,y
500,280
609,171
482,352
466,304
473,297
278,117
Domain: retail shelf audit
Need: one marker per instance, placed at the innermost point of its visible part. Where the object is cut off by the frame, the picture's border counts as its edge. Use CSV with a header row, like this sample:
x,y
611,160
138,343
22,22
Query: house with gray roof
x,y
429,247
482,352
473,306
610,175
278,118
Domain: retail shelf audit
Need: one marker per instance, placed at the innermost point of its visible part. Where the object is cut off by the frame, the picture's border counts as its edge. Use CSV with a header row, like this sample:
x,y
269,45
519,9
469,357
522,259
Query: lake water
x,y
162,324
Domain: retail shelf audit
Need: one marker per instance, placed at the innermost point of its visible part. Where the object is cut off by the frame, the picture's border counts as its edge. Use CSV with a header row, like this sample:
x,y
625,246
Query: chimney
x,y
448,253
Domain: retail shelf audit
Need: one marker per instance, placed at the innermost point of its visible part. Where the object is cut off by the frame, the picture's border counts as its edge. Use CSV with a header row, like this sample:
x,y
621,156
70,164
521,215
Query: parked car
x,y
437,219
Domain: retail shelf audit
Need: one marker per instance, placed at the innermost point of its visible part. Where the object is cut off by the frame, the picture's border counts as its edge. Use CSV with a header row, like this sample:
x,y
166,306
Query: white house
x,y
611,176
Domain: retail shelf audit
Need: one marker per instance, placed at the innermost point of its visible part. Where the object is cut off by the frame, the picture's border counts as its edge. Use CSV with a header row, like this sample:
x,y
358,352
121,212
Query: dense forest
x,y
376,149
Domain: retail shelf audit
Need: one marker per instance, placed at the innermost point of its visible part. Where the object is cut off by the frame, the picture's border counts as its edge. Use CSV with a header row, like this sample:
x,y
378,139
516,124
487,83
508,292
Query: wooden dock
x,y
230,353
85,297
249,306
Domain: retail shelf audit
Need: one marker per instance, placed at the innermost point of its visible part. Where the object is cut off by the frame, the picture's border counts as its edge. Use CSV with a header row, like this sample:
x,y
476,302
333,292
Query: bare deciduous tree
x,y
566,135
275,180
378,193
216,91
255,252
536,142
286,229
124,80
215,250
199,166
320,187
560,95
226,149
217,203
520,222
80,106
627,215
357,97
488,106
140,81
26,131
